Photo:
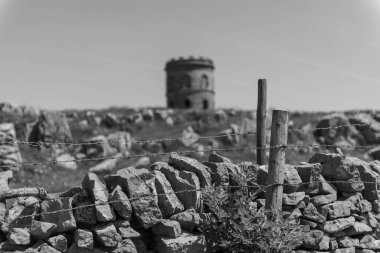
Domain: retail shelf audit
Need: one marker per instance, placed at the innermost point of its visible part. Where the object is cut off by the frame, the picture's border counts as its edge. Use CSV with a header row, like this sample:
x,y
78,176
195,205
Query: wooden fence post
x,y
278,142
260,121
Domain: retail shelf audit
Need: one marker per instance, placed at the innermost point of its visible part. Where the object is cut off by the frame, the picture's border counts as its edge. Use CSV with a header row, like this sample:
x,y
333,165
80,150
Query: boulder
x,y
182,163
84,212
18,236
179,182
59,211
58,242
128,232
343,170
370,132
336,210
110,120
120,203
107,235
188,219
311,213
216,158
321,200
368,242
22,206
356,229
330,134
51,127
120,142
66,161
347,242
99,195
167,228
167,200
126,246
107,165
9,151
84,238
189,137
139,186
189,243
334,226
41,230
219,173
292,199
316,240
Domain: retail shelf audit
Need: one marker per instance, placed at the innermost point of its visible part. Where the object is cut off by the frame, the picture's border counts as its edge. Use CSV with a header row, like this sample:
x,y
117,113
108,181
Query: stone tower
x,y
190,83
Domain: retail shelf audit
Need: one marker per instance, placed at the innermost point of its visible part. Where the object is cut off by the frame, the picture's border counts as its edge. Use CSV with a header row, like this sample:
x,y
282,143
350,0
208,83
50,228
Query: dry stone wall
x,y
160,209
337,198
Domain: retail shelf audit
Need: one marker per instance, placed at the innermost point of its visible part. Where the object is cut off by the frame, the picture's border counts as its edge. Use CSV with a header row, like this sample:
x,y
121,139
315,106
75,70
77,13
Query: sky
x,y
315,55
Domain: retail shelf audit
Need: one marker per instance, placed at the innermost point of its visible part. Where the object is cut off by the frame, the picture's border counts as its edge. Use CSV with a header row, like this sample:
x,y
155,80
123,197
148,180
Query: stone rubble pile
x,y
342,216
117,216
9,151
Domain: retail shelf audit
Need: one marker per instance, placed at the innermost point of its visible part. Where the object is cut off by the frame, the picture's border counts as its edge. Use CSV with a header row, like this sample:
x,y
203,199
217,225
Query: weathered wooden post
x,y
278,142
260,121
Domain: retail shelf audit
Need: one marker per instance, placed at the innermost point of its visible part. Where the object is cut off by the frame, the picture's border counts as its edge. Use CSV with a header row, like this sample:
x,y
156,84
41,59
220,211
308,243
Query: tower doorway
x,y
205,104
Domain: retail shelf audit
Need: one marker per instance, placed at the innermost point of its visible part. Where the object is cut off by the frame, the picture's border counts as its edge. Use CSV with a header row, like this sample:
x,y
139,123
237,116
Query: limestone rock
x,y
128,232
120,203
139,186
216,158
219,173
107,235
368,242
339,168
189,243
106,165
66,161
310,173
41,230
50,127
22,206
311,213
64,220
18,236
167,228
336,210
292,199
58,242
9,151
84,238
126,246
180,182
347,242
189,164
334,226
316,240
99,195
168,202
356,229
292,181
84,212
321,200
188,219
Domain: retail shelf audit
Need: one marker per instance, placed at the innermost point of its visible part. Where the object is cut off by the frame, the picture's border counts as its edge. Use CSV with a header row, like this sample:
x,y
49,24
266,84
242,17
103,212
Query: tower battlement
x,y
190,83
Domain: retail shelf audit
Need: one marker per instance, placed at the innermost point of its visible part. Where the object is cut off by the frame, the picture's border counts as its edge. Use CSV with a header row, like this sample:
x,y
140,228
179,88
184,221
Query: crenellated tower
x,y
190,83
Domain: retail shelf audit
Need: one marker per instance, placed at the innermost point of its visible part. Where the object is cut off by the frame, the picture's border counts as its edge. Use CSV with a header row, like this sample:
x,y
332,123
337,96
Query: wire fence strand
x,y
258,189
125,140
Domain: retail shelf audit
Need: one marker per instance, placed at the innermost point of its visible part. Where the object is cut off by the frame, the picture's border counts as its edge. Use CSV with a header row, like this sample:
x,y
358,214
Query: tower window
x,y
205,104
187,103
205,82
186,82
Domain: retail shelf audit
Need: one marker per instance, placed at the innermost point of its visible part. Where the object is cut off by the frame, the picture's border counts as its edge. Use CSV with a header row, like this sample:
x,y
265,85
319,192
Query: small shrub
x,y
239,227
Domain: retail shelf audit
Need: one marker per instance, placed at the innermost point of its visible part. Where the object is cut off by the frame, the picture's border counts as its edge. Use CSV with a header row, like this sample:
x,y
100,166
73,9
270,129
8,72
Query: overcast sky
x,y
316,55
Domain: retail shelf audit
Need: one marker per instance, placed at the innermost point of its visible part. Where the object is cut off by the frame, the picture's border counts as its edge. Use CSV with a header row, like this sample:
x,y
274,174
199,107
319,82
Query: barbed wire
x,y
195,137
291,146
260,188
